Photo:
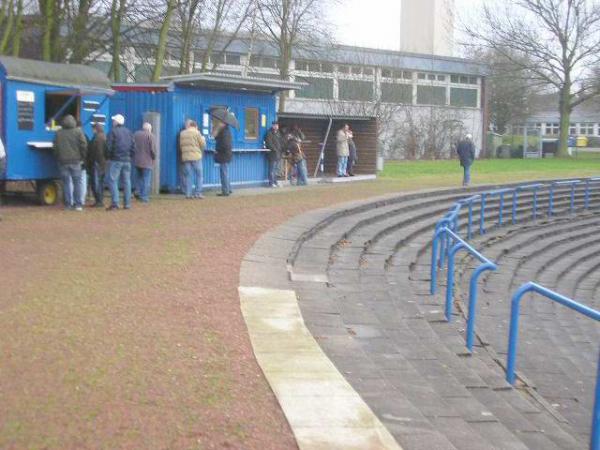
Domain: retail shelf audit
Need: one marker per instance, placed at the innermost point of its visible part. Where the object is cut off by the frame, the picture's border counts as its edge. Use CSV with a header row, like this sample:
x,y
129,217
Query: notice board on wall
x,y
25,103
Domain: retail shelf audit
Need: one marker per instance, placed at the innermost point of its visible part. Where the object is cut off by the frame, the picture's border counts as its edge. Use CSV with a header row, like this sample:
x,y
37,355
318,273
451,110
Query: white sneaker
x,y
78,208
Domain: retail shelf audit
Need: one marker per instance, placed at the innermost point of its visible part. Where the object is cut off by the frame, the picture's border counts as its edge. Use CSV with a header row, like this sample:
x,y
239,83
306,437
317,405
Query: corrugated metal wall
x,y
249,165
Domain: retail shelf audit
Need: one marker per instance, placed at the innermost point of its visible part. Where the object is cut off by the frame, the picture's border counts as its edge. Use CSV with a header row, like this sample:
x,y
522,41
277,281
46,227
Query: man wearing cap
x,y
121,148
466,154
274,142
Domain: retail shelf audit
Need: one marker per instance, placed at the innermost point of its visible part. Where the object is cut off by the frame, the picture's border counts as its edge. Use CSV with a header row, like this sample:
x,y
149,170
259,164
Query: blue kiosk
x,y
34,96
167,105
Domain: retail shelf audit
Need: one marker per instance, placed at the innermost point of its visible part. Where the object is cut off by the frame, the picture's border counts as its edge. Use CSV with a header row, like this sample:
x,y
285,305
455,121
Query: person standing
x,y
466,153
97,163
69,149
352,156
296,155
191,145
274,142
145,154
343,150
223,155
121,148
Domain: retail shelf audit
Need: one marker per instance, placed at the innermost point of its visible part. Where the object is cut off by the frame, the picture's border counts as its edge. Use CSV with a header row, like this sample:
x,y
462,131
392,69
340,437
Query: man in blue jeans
x,y
466,153
191,146
70,150
121,148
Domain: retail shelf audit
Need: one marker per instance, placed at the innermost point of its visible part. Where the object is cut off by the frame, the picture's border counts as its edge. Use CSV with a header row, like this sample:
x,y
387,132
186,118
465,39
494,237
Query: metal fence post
x,y
572,198
513,334
595,440
551,200
535,204
450,280
470,221
515,199
586,202
482,215
501,209
473,301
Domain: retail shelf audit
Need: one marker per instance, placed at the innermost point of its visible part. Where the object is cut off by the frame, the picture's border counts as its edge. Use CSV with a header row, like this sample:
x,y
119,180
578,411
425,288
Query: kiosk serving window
x,y
251,126
58,105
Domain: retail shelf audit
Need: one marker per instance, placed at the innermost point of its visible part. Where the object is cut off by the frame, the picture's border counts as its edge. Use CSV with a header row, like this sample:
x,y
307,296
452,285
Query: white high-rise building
x,y
427,27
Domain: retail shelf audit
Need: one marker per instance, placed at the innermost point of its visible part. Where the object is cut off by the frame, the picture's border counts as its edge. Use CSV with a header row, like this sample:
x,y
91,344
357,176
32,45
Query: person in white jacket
x,y
343,150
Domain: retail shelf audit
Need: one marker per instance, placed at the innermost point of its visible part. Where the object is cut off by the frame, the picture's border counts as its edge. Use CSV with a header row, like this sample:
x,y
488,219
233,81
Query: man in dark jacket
x,y
145,154
466,154
274,141
70,149
121,148
97,163
223,155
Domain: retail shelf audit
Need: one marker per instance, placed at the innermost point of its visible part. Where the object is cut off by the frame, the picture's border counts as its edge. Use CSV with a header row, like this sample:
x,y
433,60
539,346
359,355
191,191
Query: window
x,y
314,66
431,95
407,75
463,79
232,59
217,58
386,73
572,129
263,61
317,88
368,71
454,78
441,77
396,93
552,129
355,90
326,67
472,80
463,97
341,68
586,129
251,120
63,103
421,76
431,77
356,70
25,102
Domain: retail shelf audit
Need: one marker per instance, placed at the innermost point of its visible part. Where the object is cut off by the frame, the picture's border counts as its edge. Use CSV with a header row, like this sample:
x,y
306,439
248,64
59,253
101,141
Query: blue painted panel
x,y
25,162
181,104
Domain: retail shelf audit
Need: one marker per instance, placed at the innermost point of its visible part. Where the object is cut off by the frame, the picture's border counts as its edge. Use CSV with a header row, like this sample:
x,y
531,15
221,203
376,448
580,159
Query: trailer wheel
x,y
47,192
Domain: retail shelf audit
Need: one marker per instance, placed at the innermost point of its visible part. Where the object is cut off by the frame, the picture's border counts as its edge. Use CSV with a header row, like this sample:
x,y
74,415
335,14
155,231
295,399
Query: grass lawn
x,y
491,170
123,329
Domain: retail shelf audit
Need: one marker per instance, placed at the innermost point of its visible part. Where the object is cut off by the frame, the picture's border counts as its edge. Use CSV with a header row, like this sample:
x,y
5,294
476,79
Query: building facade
x,y
342,80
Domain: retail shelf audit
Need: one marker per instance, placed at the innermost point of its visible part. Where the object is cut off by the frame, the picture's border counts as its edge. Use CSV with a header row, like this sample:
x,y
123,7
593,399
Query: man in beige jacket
x,y
191,145
343,150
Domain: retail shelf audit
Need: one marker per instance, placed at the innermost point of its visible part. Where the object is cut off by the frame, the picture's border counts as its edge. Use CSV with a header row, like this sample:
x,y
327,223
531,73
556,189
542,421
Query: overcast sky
x,y
376,23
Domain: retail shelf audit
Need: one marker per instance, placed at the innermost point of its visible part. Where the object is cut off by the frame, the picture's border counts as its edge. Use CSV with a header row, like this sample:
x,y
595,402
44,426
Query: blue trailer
x,y
173,100
34,96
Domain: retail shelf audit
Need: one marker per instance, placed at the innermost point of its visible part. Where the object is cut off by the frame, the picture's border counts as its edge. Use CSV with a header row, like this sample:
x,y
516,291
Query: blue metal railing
x,y
447,242
486,264
554,184
513,337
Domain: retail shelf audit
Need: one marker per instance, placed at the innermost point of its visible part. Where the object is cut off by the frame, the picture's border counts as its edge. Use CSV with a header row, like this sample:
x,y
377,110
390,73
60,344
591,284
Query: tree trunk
x,y
7,27
162,41
79,40
16,45
565,119
49,19
116,14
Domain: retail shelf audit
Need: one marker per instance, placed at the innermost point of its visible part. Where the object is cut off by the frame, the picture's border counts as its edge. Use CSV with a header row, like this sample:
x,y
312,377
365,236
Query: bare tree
x,y
162,40
557,42
292,25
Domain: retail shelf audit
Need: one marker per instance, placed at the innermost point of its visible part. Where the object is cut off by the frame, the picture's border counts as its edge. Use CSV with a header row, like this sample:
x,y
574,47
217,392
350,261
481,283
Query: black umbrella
x,y
225,116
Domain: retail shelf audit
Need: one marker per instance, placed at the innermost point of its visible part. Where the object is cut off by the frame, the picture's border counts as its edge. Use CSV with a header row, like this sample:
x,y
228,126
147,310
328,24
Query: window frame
x,y
256,122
